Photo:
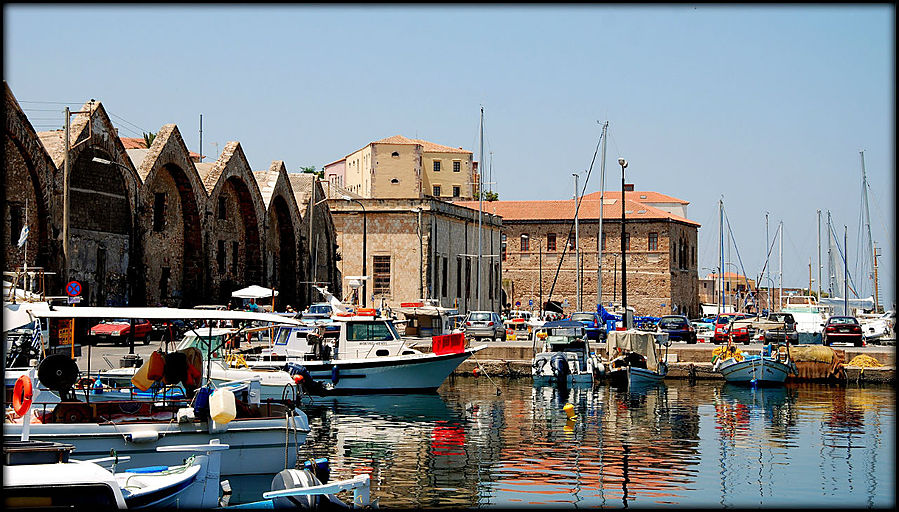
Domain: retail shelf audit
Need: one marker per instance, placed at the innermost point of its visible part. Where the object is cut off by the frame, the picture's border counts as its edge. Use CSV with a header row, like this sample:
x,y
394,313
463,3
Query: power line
x,y
127,121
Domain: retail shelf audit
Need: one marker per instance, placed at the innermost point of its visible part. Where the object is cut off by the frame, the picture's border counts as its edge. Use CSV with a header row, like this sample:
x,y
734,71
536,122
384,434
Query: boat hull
x,y
416,373
633,377
257,445
754,370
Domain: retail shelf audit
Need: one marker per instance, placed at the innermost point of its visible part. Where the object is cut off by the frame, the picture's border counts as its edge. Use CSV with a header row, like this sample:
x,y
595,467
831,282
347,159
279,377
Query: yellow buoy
x,y
569,410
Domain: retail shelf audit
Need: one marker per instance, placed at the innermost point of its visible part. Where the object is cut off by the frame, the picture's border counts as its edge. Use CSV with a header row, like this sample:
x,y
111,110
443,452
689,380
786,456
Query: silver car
x,y
484,324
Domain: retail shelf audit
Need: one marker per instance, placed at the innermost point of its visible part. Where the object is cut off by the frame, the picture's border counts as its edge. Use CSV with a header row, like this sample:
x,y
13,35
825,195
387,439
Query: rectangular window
x,y
653,244
603,241
503,236
459,276
627,241
550,242
381,274
220,256
222,210
457,191
436,165
436,190
457,166
525,242
159,211
443,284
235,249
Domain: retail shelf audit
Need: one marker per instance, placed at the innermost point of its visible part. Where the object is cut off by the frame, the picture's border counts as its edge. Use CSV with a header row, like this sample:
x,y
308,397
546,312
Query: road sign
x,y
74,300
73,288
517,303
531,302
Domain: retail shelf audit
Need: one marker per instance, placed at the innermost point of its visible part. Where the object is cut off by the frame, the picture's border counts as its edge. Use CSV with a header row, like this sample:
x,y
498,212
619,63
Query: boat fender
x,y
156,366
335,374
292,479
201,403
142,436
98,387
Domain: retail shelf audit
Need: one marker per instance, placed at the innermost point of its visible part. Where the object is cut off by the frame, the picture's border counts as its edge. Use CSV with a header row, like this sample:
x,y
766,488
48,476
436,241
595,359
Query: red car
x,y
722,322
117,331
845,329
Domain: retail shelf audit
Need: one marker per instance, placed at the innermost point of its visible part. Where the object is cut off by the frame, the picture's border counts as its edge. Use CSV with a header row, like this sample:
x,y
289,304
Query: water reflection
x,y
707,444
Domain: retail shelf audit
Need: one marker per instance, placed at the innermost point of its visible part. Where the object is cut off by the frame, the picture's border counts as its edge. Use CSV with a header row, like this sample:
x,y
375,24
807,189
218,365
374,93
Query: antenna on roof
x,y
201,137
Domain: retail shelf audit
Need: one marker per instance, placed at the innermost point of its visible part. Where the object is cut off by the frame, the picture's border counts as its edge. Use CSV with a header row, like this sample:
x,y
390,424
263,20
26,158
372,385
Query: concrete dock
x,y
513,359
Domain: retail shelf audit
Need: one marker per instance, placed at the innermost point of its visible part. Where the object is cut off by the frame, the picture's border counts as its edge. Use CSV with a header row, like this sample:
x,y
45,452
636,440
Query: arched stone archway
x,y
281,235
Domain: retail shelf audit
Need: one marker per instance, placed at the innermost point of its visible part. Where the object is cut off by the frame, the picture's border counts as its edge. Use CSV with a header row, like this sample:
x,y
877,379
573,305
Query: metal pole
x,y
845,271
819,255
420,258
602,175
540,248
720,255
577,249
201,137
868,221
311,270
480,205
780,297
364,256
65,199
623,250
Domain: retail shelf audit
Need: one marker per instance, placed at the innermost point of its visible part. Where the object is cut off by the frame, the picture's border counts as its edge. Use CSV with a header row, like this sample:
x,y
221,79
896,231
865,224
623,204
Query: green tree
x,y
310,169
148,139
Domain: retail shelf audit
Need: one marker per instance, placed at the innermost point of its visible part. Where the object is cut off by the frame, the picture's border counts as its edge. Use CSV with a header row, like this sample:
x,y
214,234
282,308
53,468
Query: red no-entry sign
x,y
73,288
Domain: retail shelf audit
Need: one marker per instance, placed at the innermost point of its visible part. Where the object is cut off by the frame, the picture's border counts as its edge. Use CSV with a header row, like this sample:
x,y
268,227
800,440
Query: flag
x,y
36,336
23,236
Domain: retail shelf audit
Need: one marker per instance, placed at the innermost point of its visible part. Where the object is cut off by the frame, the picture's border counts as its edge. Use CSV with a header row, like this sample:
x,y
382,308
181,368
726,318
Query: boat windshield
x,y
320,309
368,331
202,344
582,317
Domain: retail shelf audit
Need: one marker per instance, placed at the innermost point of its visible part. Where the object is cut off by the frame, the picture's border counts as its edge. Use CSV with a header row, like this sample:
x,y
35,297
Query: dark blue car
x,y
678,328
593,324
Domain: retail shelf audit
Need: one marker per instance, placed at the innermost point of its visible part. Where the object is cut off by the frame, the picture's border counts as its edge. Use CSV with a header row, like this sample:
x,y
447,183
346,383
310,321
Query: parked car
x,y
484,324
788,333
175,329
118,330
722,323
845,329
678,328
593,324
705,328
318,311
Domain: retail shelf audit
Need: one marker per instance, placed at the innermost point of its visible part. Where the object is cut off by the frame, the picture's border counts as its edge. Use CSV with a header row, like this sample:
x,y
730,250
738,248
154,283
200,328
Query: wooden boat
x,y
635,358
770,368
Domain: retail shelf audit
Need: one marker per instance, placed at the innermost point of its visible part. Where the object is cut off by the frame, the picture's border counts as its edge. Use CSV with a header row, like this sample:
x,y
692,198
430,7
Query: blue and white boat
x,y
770,368
635,358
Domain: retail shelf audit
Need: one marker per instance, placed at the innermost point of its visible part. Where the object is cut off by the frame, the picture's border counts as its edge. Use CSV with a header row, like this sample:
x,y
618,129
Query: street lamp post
x,y
420,256
623,163
364,257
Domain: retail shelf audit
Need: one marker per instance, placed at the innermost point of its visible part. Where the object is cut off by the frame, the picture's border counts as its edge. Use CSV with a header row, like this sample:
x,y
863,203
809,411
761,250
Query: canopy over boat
x,y
641,342
160,314
255,292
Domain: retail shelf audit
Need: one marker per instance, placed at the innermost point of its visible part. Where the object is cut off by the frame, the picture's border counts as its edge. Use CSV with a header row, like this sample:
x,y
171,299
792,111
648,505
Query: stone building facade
x,y
538,252
419,249
153,226
400,167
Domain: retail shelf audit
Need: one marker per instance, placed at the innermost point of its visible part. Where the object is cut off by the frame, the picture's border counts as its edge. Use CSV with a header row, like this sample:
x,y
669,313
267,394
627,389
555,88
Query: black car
x,y
678,328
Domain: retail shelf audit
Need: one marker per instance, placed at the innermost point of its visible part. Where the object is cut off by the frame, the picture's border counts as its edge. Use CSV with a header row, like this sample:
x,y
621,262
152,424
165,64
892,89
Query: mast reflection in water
x,y
707,444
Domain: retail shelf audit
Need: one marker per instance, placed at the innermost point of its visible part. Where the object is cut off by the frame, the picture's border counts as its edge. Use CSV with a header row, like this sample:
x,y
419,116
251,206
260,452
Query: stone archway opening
x,y
285,256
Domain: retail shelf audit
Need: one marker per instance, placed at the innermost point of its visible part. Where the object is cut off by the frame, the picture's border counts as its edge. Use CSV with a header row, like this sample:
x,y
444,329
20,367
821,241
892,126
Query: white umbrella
x,y
254,292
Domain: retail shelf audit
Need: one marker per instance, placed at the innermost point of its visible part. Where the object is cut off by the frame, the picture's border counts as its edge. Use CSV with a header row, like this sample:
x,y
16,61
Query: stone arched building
x,y
152,226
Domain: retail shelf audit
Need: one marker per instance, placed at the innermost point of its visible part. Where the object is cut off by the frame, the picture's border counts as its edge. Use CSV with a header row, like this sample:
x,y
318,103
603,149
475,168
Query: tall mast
x,y
480,205
577,248
819,255
780,255
868,223
845,271
830,270
602,175
720,255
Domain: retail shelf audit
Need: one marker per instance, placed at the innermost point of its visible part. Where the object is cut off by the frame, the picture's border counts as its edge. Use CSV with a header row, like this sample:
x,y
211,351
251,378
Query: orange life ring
x,y
22,395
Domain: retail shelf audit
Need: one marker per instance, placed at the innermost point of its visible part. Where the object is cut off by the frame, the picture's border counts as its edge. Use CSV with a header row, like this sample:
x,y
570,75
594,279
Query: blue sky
x,y
765,106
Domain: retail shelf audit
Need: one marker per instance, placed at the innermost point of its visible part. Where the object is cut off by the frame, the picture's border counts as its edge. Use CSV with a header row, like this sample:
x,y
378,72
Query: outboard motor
x,y
290,479
59,373
559,365
304,379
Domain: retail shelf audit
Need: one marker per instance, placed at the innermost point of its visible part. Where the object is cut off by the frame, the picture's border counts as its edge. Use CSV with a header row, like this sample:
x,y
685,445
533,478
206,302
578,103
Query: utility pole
x,y
201,137
65,198
602,176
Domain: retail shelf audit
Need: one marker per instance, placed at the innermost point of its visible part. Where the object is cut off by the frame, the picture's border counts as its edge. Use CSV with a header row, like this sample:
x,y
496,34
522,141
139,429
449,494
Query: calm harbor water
x,y
701,445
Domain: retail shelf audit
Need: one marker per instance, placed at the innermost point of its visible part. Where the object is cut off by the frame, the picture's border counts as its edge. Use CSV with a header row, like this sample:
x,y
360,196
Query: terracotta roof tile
x,y
140,143
637,195
564,210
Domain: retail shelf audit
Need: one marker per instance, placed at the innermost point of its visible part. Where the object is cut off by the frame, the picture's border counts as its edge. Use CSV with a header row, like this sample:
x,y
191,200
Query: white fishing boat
x,y
771,368
565,356
635,358
368,356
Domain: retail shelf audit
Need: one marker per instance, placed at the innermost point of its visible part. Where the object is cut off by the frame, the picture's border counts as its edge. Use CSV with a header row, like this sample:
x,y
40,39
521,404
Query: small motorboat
x,y
565,356
635,358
